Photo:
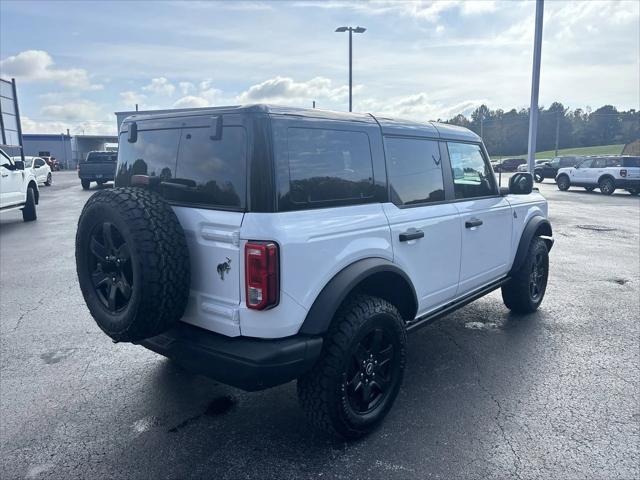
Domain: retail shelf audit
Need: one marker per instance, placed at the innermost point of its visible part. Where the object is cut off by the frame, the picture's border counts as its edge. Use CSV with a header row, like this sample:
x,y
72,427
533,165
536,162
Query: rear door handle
x,y
411,234
474,222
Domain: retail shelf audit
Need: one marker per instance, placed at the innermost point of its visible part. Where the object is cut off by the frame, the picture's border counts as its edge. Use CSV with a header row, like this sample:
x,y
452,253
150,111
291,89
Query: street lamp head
x,y
359,30
342,29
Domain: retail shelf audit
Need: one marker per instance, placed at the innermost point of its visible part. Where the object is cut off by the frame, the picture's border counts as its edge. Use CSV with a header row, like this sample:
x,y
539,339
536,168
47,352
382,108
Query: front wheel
x,y
607,186
29,209
49,180
538,177
526,289
354,383
563,183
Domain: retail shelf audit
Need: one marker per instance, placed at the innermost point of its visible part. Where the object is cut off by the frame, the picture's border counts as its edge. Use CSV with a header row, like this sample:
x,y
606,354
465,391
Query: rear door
x,y
485,220
425,230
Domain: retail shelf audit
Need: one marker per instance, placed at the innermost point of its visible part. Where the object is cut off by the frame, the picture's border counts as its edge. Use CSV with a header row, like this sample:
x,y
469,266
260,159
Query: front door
x,y
424,230
10,182
581,174
485,218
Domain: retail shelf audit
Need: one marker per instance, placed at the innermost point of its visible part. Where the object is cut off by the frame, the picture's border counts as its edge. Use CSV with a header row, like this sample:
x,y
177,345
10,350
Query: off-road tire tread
x,y
515,293
314,388
162,254
29,213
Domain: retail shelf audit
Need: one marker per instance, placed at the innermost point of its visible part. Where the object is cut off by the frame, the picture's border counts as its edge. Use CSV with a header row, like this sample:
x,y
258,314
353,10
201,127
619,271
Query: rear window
x,y
631,162
102,157
329,165
204,172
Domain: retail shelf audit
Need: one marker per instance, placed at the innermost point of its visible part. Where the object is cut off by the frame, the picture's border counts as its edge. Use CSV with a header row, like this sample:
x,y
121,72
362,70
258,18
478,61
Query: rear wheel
x,y
607,186
29,209
526,289
563,183
355,381
49,180
85,184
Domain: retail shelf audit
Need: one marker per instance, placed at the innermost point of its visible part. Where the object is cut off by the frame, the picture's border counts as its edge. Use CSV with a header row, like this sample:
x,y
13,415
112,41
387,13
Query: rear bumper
x,y
96,177
247,363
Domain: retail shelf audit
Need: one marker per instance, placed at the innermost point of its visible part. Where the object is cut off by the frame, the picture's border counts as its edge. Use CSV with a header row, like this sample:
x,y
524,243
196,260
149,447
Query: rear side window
x,y
631,162
414,171
328,165
472,176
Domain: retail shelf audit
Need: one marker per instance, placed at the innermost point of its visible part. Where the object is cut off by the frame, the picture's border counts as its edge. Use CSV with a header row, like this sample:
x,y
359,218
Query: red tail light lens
x,y
623,173
262,265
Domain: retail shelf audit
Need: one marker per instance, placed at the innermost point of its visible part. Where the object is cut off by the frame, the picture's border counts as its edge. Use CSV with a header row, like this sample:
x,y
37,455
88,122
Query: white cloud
x,y
191,101
418,107
84,128
131,98
160,86
80,110
38,66
285,89
186,87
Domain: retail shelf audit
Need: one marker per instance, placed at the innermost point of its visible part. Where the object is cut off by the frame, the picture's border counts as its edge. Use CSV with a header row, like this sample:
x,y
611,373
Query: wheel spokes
x,y
385,356
123,253
99,279
125,287
98,250
113,290
107,236
376,341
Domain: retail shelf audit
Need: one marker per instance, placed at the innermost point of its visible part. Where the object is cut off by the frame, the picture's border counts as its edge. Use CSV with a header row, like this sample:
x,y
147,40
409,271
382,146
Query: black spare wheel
x,y
132,263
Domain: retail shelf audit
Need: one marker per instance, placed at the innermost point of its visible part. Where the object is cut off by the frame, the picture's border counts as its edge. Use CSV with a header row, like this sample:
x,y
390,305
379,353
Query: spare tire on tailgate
x,y
132,263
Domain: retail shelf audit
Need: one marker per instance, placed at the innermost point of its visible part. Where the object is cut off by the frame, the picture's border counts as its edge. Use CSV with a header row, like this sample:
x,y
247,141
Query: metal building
x,y
67,149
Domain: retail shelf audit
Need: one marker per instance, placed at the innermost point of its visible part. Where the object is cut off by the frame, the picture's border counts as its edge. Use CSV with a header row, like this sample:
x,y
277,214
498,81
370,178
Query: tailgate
x,y
106,169
213,238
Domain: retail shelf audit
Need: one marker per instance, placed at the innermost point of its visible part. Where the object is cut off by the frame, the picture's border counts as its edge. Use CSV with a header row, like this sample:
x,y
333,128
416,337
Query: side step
x,y
455,305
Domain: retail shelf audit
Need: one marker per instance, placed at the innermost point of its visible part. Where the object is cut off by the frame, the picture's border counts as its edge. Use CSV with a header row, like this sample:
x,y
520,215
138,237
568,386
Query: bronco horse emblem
x,y
224,267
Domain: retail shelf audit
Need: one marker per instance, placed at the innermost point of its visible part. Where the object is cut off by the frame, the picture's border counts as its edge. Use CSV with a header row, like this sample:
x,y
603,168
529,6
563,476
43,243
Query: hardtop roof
x,y
389,126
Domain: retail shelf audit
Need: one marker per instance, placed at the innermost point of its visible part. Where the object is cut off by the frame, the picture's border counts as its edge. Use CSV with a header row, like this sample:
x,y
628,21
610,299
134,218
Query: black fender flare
x,y
341,285
536,226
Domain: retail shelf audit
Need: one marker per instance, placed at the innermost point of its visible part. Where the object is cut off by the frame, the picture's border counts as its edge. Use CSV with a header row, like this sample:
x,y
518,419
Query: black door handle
x,y
411,234
474,222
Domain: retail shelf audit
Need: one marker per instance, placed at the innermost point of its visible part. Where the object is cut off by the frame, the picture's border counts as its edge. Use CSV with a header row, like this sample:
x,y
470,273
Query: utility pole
x,y
351,31
314,104
557,131
535,87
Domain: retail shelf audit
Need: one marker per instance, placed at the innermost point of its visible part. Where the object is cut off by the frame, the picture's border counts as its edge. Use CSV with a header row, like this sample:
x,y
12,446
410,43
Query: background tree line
x,y
505,132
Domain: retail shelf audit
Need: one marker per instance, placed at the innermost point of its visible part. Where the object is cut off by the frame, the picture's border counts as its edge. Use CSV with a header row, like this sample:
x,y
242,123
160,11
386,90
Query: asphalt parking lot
x,y
487,394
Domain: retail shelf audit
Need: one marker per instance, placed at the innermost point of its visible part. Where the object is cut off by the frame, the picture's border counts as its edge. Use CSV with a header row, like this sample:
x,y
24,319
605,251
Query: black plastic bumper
x,y
247,363
628,183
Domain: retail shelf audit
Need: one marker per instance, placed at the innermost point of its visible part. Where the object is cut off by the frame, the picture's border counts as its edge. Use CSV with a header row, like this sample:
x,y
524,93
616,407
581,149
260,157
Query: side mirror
x,y
19,164
521,183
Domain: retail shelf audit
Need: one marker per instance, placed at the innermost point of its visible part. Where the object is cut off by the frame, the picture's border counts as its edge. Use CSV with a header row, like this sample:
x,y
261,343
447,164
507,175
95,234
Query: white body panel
x,y
431,262
314,246
13,184
486,250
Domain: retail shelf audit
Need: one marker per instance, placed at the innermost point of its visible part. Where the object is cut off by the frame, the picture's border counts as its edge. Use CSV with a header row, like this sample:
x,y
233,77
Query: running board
x,y
453,306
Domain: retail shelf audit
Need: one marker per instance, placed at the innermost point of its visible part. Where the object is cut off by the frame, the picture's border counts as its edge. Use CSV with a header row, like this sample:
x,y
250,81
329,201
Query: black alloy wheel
x,y
110,267
370,376
537,277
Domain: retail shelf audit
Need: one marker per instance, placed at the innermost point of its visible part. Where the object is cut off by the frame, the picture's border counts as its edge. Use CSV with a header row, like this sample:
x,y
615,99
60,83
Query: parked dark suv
x,y
550,169
509,164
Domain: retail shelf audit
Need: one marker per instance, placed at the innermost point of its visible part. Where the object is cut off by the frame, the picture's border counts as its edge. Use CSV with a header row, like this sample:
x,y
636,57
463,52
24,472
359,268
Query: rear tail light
x,y
262,266
623,173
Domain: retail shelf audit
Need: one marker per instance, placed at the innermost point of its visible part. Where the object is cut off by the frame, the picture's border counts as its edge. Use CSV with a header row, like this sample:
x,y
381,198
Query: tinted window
x,y
631,162
326,165
102,156
414,171
586,163
39,162
153,154
211,172
4,160
599,163
471,174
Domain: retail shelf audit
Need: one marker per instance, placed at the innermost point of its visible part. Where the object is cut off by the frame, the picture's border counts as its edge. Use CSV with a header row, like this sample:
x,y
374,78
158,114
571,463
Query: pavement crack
x,y
476,365
27,312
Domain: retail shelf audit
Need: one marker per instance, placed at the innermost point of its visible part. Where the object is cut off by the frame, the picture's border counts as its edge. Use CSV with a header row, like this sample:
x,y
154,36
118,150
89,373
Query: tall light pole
x,y
535,87
351,31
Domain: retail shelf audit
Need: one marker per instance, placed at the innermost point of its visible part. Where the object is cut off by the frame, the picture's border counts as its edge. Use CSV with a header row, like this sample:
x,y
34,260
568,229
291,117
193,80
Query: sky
x,y
78,62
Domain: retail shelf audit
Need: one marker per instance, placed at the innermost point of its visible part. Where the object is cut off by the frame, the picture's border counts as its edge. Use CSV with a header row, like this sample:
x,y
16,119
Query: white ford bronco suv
x,y
18,187
606,173
260,244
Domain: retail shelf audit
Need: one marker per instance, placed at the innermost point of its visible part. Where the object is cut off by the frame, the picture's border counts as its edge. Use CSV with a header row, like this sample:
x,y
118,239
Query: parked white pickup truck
x,y
18,188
